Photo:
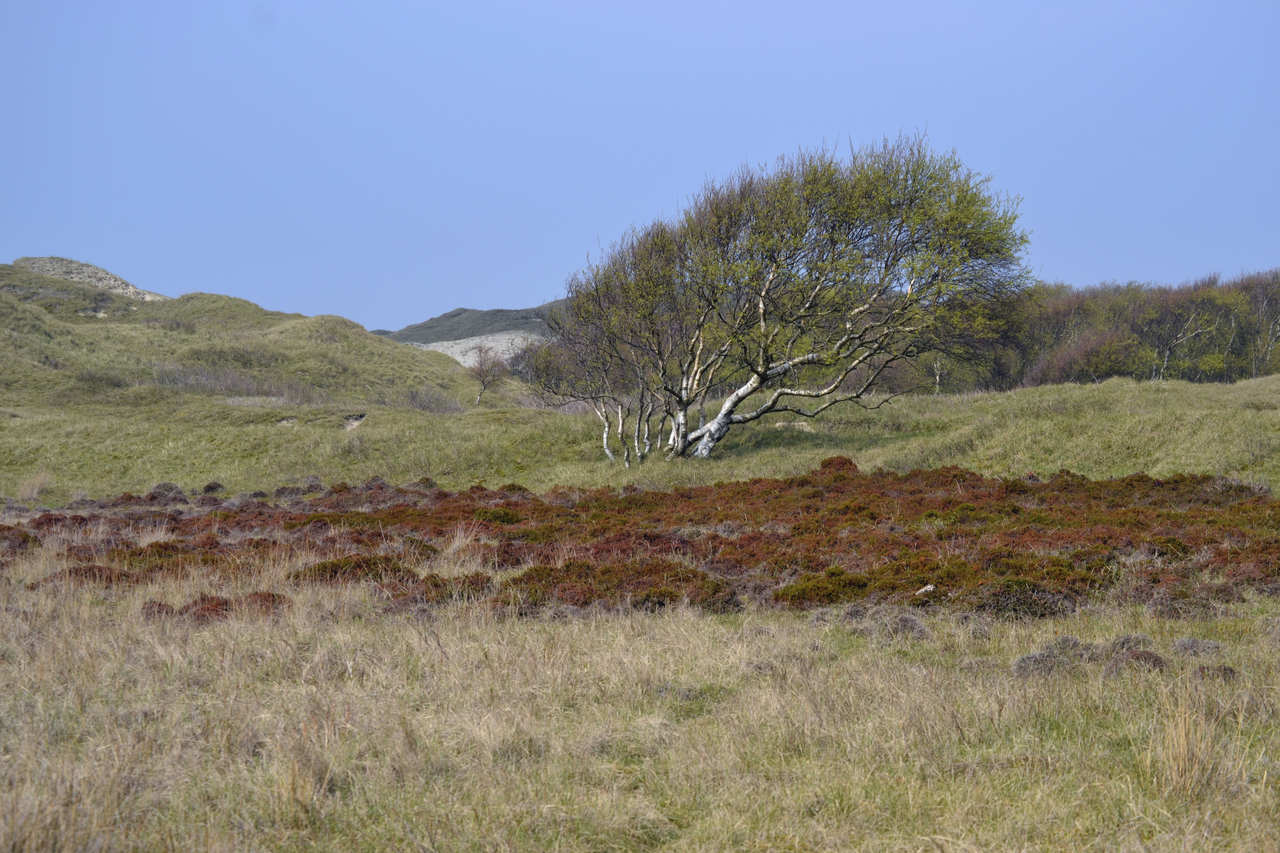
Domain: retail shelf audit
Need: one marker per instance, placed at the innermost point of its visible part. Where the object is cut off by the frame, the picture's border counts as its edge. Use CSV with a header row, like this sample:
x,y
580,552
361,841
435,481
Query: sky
x,y
388,162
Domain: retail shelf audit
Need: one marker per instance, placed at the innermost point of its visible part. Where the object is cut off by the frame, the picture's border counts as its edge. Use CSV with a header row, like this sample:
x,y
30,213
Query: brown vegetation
x,y
946,537
380,667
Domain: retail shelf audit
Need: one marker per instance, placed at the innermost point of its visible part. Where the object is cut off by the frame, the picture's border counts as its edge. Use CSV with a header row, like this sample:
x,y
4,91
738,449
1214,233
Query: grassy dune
x,y
65,344
100,394
127,439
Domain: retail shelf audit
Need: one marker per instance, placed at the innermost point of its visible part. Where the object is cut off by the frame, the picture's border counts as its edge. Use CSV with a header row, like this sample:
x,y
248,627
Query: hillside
x,y
78,271
78,342
99,388
461,323
62,297
102,394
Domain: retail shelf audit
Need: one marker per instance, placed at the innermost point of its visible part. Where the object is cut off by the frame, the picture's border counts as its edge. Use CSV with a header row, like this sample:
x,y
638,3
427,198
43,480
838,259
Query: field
x,y
747,666
129,439
100,395
335,726
272,582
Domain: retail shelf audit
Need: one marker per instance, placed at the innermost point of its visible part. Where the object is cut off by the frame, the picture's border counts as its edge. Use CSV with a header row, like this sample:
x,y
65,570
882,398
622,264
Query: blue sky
x,y
391,161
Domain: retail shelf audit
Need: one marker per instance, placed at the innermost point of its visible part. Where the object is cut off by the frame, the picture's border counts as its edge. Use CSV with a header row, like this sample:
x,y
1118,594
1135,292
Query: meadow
x,y
374,667
334,724
100,395
271,582
131,438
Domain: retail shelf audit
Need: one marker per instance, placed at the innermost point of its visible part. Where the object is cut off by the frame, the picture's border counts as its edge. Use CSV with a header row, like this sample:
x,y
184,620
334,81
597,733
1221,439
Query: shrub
x,y
830,587
357,568
1015,597
497,515
428,399
99,380
644,585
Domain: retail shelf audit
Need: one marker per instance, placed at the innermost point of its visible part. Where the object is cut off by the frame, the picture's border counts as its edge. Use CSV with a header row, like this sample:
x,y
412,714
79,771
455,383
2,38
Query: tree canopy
x,y
789,289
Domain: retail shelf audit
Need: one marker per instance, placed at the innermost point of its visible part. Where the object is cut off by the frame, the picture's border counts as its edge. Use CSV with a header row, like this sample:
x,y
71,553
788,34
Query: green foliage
x,y
787,290
498,515
1207,331
830,587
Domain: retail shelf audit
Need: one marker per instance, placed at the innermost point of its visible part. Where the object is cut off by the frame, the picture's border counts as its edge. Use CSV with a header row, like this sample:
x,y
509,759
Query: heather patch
x,y
942,538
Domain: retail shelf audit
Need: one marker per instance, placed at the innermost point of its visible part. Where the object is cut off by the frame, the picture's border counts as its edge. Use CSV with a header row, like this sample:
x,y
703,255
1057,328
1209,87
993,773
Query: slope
x,y
100,389
68,340
69,270
461,323
140,436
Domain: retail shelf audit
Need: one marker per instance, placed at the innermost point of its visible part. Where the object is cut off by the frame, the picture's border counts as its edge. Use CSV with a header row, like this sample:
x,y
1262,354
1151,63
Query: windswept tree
x,y
792,289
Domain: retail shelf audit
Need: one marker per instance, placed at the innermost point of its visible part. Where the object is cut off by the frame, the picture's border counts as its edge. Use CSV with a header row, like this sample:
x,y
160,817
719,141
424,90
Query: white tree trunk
x,y
622,438
711,435
604,438
642,418
679,431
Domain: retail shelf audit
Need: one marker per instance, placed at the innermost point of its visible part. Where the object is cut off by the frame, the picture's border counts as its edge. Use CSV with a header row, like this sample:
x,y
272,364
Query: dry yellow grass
x,y
336,726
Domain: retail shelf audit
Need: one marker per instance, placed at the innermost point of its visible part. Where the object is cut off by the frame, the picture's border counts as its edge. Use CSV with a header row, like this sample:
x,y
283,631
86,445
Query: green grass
x,y
127,439
66,343
208,387
63,298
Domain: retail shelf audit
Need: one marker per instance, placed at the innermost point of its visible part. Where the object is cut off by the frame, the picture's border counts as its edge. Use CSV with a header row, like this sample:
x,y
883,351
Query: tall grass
x,y
1196,749
337,726
139,436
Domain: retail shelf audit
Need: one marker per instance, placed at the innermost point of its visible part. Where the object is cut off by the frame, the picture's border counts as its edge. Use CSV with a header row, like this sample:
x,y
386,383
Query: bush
x,y
96,380
427,399
1021,598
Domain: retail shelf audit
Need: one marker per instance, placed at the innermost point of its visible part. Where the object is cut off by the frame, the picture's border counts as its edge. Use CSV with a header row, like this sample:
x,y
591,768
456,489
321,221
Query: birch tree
x,y
486,368
793,289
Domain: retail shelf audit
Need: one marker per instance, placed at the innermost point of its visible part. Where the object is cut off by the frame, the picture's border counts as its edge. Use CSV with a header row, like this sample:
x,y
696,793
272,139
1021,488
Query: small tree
x,y
487,367
1171,319
1263,293
791,290
582,364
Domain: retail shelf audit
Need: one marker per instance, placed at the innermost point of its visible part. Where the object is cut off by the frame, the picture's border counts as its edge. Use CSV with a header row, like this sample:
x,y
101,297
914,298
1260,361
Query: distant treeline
x,y
1206,331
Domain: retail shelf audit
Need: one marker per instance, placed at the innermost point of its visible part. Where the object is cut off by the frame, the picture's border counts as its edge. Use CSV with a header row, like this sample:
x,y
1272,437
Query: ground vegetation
x,y
944,538
253,701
